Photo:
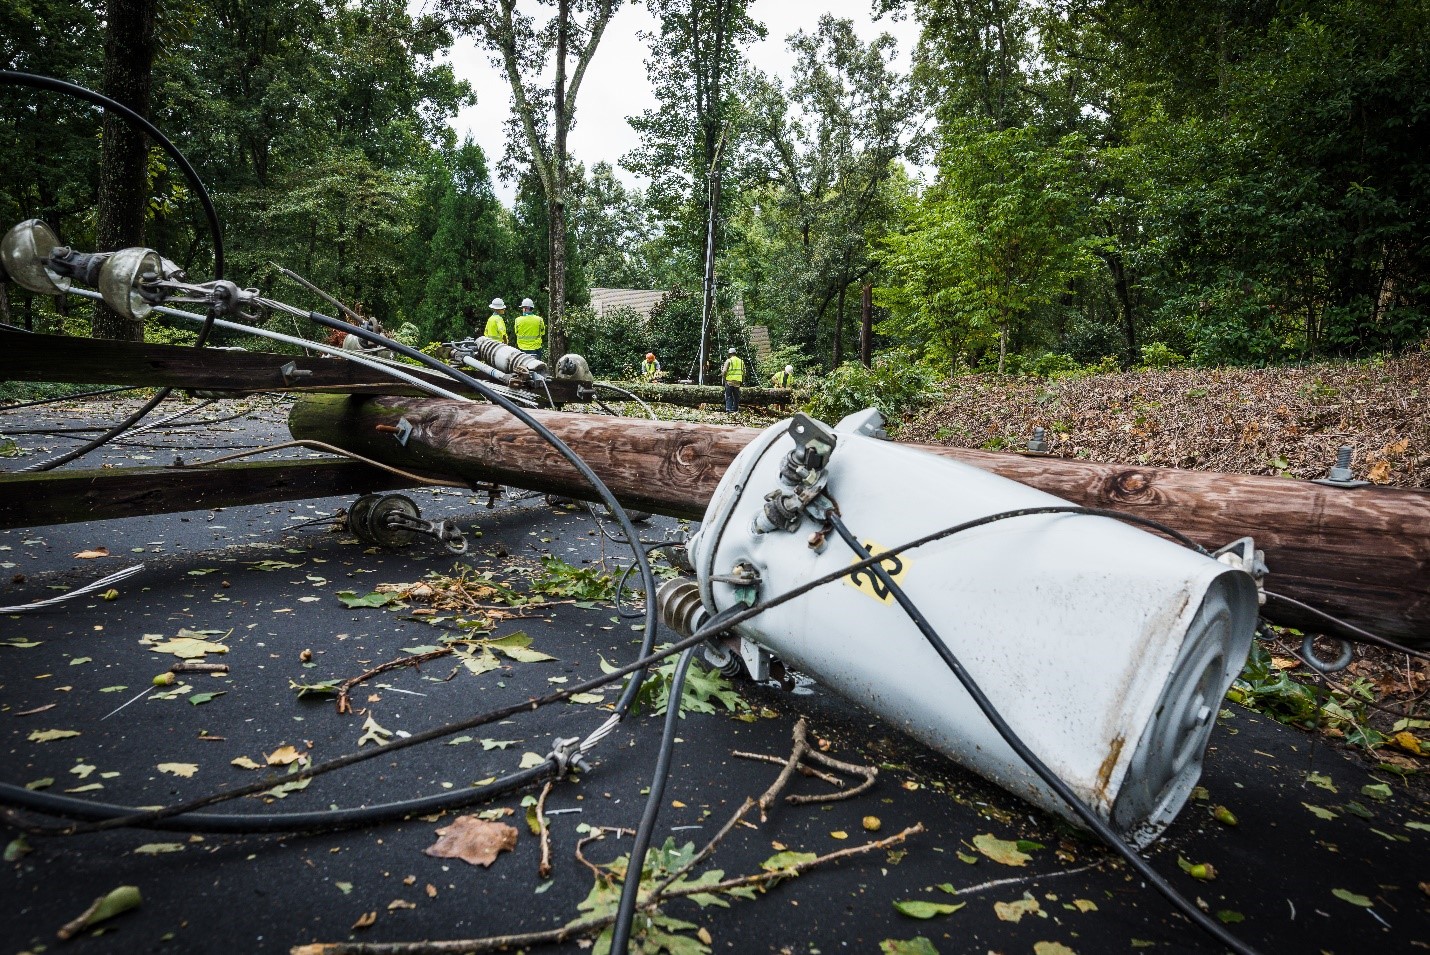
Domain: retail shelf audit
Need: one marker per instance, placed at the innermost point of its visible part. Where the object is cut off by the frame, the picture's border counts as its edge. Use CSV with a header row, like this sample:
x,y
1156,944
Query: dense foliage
x,y
1049,186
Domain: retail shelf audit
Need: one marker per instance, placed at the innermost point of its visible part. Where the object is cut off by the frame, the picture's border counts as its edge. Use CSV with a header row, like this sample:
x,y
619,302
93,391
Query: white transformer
x,y
1107,649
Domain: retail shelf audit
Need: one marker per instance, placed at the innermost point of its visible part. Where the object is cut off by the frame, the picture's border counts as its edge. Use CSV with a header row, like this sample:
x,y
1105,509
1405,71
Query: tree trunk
x,y
691,396
123,174
556,197
1363,554
839,329
866,324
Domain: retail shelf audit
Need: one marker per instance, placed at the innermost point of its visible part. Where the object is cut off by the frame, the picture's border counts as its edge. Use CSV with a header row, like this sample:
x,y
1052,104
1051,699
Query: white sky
x,y
615,85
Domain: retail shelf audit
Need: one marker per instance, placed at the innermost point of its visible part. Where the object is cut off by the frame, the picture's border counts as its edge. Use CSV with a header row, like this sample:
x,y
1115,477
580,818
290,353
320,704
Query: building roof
x,y
641,300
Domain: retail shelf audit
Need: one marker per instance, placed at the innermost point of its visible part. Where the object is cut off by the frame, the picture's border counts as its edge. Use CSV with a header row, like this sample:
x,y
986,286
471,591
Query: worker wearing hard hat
x,y
530,329
496,324
733,374
650,368
783,379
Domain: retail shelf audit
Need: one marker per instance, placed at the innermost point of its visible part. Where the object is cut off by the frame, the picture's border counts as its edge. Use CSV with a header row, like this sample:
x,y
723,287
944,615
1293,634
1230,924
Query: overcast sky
x,y
615,85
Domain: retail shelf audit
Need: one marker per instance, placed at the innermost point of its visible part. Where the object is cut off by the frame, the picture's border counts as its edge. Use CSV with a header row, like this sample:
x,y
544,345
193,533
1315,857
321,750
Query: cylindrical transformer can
x,y
1106,649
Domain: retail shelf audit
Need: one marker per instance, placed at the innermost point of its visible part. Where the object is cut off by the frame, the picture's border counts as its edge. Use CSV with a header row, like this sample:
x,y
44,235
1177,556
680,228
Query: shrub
x,y
897,385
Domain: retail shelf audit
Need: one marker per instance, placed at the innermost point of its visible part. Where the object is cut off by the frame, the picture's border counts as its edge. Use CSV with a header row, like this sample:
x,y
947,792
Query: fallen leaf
x,y
345,888
38,709
283,789
283,755
475,841
1319,811
92,553
1377,791
1000,850
586,698
157,848
44,783
400,904
910,946
915,909
243,762
179,769
1319,780
120,900
16,849
188,648
1014,911
199,698
1085,905
79,660
1346,895
431,891
787,860
46,736
1379,472
1051,948
88,788
374,733
1230,916
530,760
366,920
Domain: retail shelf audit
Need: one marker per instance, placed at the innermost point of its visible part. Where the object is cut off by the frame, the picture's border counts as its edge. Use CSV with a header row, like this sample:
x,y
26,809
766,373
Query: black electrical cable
x,y
1051,779
13,795
623,705
631,890
103,439
1342,628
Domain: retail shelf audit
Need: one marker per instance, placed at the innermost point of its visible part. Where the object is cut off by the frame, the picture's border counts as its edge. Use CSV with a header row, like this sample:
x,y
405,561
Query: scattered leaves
x,y
93,553
179,769
373,733
188,647
47,736
1346,895
1014,911
281,756
120,900
158,848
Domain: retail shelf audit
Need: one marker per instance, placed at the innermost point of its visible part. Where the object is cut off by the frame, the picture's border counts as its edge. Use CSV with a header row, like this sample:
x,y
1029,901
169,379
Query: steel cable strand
x,y
1015,742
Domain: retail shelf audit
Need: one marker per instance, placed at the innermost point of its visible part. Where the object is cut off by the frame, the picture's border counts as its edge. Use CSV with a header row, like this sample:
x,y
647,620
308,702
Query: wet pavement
x,y
1319,832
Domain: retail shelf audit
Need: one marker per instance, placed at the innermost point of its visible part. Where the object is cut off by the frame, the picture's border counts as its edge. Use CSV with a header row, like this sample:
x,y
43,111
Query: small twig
x,y
343,688
870,774
195,666
597,834
544,870
801,746
1022,880
802,769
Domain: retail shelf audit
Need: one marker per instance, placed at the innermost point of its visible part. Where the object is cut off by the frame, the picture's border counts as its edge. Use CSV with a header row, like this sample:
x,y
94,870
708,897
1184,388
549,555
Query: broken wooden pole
x,y
691,396
1361,554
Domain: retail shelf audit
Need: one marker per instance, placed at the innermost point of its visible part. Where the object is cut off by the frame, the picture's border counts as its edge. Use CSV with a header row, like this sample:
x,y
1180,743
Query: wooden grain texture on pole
x,y
1362,554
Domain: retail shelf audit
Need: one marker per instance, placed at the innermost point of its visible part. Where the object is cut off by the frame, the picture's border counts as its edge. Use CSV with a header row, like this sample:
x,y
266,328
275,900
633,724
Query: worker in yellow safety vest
x,y
496,324
530,329
733,373
650,367
784,379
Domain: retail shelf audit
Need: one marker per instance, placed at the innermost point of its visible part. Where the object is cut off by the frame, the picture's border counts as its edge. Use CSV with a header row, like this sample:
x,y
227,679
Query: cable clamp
x,y
567,753
1243,555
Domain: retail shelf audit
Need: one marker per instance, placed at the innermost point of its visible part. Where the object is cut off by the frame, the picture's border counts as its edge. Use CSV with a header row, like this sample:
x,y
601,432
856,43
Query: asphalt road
x,y
1312,840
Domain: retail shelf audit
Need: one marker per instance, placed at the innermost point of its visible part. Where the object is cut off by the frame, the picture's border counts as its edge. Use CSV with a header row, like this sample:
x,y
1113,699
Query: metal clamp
x,y
1243,555
567,753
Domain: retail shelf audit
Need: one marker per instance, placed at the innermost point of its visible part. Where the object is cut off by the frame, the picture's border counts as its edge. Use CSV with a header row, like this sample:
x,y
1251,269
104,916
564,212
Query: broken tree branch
x,y
344,706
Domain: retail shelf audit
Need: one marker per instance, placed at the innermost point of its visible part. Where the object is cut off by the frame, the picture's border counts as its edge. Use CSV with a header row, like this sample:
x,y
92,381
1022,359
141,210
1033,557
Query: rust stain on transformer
x,y
1104,772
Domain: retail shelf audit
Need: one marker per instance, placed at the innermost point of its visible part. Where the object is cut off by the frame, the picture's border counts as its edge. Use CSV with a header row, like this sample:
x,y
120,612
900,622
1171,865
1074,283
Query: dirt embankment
x,y
1279,421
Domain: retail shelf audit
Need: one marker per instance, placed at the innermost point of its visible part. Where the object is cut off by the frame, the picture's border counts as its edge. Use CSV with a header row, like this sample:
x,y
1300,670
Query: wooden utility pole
x,y
1361,554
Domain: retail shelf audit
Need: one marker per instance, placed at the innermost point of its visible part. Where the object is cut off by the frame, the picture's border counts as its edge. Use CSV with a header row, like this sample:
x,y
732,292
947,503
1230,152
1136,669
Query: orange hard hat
x,y
650,356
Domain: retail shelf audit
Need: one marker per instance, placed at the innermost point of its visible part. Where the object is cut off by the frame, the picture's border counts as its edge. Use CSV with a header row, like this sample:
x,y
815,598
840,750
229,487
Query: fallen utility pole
x,y
690,396
61,358
1362,554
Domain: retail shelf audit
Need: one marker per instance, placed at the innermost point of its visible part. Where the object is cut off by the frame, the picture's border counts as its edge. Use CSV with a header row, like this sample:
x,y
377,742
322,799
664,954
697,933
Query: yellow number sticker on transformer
x,y
866,580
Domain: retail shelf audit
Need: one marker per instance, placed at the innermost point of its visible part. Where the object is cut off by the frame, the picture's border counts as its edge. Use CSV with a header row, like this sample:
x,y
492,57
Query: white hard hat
x,y
497,303
527,303
732,351
789,369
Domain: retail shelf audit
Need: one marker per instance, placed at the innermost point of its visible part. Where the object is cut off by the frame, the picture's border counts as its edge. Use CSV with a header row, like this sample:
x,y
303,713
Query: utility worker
x,y
496,324
783,379
733,373
530,329
650,367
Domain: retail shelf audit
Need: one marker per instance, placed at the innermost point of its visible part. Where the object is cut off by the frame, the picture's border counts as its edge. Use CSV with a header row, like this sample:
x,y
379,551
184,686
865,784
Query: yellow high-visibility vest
x,y
496,328
735,370
649,368
783,379
529,332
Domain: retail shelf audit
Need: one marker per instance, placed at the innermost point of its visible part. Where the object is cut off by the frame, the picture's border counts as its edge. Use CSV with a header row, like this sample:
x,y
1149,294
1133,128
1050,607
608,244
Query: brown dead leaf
x,y
38,709
92,553
431,891
400,904
1014,911
283,755
1379,473
1409,742
366,920
473,840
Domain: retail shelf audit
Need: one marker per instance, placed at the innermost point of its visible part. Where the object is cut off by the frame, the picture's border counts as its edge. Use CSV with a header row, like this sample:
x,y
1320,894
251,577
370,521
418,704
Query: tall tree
x,y
543,114
694,66
124,175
